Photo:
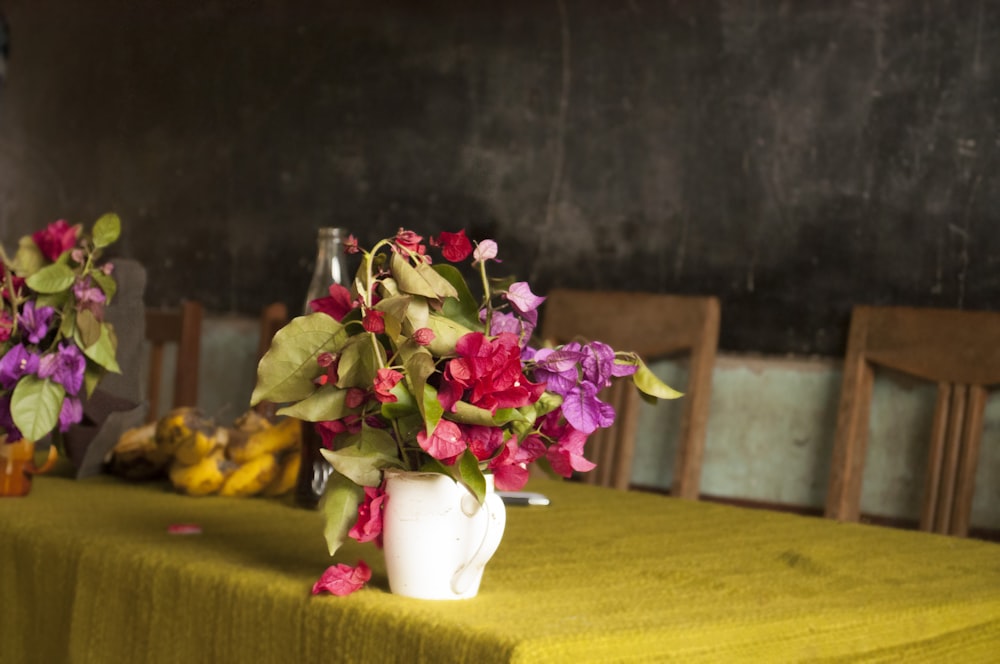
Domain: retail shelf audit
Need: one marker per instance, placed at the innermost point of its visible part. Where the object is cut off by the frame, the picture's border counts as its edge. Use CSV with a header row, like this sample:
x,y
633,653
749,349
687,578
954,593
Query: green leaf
x,y
106,230
340,509
35,406
362,462
649,383
323,405
472,475
287,370
465,309
419,280
446,334
403,405
547,403
431,409
92,375
29,258
360,358
52,278
103,351
88,325
106,283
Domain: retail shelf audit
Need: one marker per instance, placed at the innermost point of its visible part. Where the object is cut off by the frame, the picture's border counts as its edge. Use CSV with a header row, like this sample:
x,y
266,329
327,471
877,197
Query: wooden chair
x,y
653,326
960,351
272,318
181,327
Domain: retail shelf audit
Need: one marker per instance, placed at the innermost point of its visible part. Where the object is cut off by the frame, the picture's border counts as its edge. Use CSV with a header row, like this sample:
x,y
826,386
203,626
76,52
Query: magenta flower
x,y
490,369
16,363
337,305
510,467
343,579
56,238
65,367
566,456
374,321
385,380
454,246
445,443
6,325
368,527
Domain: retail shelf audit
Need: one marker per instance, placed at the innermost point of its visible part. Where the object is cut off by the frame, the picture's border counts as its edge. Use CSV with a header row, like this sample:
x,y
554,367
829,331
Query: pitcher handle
x,y
496,520
50,461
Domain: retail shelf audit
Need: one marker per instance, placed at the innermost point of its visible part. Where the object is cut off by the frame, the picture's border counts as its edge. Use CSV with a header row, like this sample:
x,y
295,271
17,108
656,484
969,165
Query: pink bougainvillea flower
x,y
491,368
355,397
483,441
424,336
6,325
337,305
522,299
351,245
331,363
445,443
374,321
89,297
368,527
342,580
329,430
56,238
510,467
485,251
566,455
454,246
17,281
408,241
385,380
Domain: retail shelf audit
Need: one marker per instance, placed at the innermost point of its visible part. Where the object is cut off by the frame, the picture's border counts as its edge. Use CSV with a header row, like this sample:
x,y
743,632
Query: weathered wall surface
x,y
793,158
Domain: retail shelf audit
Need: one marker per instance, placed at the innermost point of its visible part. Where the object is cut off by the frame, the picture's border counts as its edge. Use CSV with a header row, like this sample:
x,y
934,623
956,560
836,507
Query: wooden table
x,y
92,575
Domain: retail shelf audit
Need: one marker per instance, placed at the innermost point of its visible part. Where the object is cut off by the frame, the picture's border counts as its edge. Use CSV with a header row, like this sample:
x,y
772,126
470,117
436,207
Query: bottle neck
x,y
330,266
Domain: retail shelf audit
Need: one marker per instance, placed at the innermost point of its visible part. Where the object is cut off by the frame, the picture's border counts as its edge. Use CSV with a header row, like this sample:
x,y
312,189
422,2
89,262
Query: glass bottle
x,y
330,268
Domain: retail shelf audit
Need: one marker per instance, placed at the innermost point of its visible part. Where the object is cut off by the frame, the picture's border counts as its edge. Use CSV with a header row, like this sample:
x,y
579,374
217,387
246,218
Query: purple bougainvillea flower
x,y
15,363
35,321
56,238
584,411
7,420
343,579
65,367
70,413
445,443
89,297
521,298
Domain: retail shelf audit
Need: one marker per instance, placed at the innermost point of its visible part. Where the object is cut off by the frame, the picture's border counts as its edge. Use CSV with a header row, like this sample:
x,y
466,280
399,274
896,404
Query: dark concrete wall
x,y
792,157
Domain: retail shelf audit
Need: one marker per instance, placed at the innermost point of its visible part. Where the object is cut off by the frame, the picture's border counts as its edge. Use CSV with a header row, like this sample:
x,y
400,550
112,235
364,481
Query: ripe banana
x,y
250,478
202,478
273,439
136,455
286,477
176,429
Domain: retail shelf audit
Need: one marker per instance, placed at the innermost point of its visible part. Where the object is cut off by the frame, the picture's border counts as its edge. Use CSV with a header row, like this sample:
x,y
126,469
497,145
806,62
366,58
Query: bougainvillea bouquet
x,y
408,369
54,342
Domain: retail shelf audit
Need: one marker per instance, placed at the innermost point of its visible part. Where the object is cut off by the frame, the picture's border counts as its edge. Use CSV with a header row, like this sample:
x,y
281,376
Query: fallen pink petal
x,y
342,580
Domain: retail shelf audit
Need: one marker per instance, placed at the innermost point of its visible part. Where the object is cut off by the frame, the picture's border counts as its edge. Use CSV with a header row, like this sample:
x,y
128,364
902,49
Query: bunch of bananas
x,y
253,457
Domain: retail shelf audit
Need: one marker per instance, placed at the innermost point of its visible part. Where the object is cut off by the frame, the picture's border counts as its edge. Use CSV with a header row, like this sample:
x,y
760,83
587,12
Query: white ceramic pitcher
x,y
436,536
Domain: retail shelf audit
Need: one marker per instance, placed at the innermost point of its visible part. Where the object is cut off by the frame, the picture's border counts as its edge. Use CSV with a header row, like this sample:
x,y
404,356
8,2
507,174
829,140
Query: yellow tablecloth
x,y
90,574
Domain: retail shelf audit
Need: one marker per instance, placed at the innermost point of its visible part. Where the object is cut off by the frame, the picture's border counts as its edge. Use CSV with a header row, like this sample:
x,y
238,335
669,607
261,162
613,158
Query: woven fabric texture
x,y
91,574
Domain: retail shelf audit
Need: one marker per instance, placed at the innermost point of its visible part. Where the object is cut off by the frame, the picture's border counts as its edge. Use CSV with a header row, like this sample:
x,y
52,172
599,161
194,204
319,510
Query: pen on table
x,y
523,498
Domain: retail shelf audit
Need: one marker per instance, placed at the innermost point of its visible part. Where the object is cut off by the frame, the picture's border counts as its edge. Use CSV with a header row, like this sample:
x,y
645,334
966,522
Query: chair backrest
x,y
958,350
272,318
182,327
653,326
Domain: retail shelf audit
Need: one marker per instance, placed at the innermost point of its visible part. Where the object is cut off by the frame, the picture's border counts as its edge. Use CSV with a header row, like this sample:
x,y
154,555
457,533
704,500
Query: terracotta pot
x,y
17,465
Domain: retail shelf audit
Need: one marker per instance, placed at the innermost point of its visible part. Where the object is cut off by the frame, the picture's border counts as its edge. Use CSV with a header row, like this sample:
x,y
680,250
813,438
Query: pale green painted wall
x,y
770,431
